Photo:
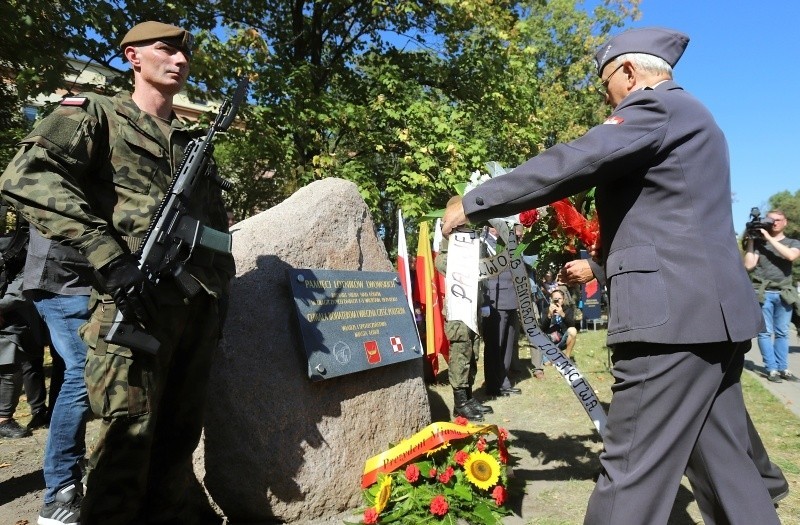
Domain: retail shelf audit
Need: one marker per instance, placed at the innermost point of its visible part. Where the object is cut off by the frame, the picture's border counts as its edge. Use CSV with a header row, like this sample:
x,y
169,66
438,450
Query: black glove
x,y
127,285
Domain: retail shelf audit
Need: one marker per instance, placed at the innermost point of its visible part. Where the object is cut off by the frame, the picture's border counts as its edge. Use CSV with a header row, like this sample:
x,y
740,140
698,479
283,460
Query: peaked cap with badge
x,y
157,31
663,43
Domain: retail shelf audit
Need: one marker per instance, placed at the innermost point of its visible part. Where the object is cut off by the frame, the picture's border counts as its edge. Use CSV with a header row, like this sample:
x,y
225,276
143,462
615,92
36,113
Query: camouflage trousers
x,y
464,350
152,412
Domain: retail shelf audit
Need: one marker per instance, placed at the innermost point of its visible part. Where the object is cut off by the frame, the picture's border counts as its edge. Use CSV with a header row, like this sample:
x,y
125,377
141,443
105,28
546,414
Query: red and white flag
x,y
402,260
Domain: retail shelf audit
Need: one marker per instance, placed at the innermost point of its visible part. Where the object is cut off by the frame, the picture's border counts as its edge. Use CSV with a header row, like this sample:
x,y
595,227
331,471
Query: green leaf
x,y
518,251
463,491
483,512
433,215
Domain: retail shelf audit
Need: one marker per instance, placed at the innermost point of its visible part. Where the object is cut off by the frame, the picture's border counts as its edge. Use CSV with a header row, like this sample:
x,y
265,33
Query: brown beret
x,y
169,34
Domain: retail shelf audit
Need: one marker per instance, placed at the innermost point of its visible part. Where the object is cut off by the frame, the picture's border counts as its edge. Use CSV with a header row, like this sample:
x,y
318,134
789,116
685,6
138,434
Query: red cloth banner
x,y
575,224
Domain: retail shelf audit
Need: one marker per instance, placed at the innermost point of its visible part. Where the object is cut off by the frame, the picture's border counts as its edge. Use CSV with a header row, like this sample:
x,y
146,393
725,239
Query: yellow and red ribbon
x,y
427,439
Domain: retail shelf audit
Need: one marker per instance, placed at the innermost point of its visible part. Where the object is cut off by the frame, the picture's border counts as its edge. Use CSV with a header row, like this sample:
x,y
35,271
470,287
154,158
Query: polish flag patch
x,y
397,344
614,120
74,101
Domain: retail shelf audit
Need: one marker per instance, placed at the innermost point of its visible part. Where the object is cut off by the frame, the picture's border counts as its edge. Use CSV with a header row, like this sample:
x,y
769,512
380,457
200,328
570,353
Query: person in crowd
x,y
499,326
58,280
21,367
22,341
770,259
559,322
90,176
464,352
549,283
682,311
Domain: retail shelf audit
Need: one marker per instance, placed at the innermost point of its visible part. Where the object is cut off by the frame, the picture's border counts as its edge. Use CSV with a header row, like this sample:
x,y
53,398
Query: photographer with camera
x,y
559,322
769,258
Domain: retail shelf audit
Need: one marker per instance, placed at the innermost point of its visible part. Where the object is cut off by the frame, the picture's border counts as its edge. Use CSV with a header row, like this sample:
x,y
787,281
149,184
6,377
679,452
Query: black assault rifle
x,y
173,235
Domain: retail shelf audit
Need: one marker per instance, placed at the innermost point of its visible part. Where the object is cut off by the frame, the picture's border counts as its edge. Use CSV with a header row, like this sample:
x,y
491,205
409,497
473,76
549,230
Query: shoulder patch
x,y
74,101
614,120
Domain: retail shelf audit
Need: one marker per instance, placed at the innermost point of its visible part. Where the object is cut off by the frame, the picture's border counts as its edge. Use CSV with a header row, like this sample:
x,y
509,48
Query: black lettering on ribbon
x,y
580,387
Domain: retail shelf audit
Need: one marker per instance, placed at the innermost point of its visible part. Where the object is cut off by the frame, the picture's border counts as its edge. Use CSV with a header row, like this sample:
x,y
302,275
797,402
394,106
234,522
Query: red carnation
x,y
439,506
481,444
432,473
461,457
412,473
500,495
502,434
460,420
445,476
527,218
370,516
503,452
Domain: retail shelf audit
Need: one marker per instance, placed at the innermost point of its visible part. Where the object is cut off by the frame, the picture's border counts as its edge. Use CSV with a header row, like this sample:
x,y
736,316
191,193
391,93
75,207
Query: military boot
x,y
462,406
484,409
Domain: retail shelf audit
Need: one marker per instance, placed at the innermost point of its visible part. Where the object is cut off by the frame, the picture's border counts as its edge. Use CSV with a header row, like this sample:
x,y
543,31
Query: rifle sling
x,y
134,243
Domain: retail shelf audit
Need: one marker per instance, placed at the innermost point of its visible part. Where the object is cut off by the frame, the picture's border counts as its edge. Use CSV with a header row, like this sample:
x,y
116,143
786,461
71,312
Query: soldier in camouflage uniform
x,y
91,175
464,352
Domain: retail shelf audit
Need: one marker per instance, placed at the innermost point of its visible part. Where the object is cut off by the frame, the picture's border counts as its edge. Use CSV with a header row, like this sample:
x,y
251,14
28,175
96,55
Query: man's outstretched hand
x,y
454,216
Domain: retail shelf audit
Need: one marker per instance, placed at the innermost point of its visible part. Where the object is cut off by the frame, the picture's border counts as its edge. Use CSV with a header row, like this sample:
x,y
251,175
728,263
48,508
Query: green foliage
x,y
403,97
13,127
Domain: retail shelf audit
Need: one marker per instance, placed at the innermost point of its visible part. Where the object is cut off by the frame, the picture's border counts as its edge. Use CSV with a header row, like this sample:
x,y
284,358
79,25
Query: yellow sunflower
x,y
383,495
482,470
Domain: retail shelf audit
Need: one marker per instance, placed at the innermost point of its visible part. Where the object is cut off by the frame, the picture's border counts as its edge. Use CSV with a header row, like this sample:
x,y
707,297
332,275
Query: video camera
x,y
755,224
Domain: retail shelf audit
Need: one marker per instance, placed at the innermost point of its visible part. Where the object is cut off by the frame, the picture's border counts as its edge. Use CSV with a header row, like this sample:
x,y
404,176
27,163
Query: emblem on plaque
x,y
373,354
397,344
341,352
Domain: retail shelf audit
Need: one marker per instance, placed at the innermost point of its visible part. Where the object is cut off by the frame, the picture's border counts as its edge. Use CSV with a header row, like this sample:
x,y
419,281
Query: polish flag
x,y
402,260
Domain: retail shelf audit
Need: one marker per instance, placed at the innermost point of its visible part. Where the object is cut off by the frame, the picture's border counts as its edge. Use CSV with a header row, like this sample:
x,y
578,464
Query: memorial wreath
x,y
447,473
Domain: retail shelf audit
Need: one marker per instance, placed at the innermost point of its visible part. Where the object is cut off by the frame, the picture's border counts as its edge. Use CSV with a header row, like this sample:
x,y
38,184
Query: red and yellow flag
x,y
435,340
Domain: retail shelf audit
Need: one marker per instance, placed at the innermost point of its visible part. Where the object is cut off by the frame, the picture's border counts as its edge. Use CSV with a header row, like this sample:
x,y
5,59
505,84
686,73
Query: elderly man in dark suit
x,y
682,310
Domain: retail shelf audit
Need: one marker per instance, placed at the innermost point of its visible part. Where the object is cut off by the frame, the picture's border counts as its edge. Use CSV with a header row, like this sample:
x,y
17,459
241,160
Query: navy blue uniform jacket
x,y
660,164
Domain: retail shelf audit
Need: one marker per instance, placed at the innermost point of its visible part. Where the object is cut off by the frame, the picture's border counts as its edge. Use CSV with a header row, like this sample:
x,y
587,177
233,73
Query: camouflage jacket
x,y
94,171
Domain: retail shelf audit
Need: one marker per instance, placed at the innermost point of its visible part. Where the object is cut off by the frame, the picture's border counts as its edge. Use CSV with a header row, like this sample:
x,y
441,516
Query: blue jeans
x,y
66,444
777,315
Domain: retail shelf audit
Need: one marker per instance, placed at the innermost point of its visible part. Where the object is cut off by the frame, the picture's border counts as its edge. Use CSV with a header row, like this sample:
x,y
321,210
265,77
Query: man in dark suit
x,y
499,327
582,271
682,310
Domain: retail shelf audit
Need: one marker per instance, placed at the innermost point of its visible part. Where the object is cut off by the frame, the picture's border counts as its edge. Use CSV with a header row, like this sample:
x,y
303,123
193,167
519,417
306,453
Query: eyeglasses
x,y
608,78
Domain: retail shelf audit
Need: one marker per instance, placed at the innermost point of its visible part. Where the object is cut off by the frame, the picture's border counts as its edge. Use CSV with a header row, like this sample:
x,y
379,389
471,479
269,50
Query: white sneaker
x,y
65,510
774,377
